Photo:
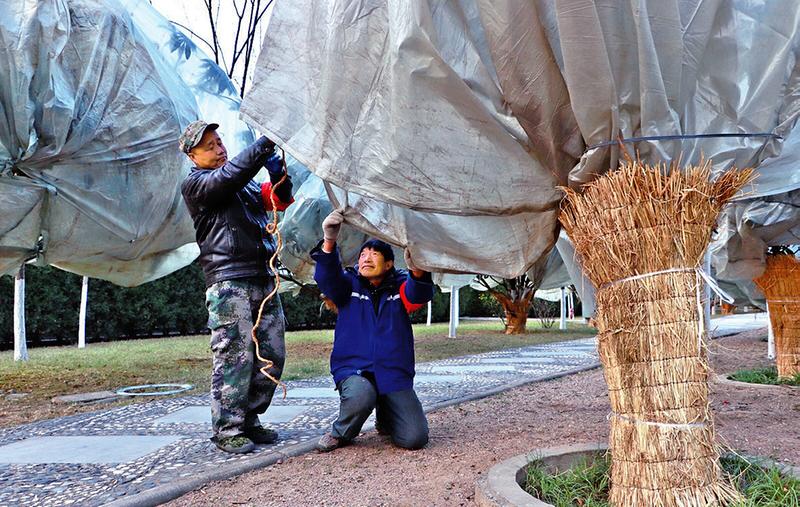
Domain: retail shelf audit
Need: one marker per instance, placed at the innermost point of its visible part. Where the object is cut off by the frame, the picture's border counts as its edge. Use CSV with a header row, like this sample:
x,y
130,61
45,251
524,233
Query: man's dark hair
x,y
379,246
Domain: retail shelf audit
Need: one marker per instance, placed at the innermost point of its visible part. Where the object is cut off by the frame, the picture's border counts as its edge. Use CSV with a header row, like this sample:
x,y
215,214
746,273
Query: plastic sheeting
x,y
446,125
93,97
301,230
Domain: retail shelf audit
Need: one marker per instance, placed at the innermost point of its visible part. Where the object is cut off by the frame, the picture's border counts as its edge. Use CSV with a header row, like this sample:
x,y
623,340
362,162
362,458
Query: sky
x,y
193,14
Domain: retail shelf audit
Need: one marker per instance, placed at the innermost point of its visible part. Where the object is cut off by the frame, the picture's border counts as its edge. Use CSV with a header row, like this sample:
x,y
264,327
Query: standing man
x,y
229,211
373,346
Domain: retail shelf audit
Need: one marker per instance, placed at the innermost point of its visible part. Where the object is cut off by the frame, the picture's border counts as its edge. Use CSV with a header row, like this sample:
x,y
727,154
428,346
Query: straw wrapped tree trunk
x,y
781,285
641,232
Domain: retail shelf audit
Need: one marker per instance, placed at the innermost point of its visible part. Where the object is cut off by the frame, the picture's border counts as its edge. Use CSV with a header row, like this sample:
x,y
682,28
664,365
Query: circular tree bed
x,y
579,476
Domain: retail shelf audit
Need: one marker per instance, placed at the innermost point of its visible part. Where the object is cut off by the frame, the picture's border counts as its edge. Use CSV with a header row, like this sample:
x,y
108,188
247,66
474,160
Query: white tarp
x,y
301,230
93,97
450,123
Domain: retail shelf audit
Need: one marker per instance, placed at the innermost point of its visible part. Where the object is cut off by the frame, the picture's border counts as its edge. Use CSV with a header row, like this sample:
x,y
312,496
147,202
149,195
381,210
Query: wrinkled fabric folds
x,y
93,97
447,126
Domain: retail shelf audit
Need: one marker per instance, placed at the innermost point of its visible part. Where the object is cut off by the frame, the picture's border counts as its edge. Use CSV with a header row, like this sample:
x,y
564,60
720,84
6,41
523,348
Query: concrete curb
x,y
165,493
723,379
501,487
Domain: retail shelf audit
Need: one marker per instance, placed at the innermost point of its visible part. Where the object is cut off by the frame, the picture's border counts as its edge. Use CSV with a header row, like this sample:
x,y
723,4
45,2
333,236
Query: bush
x,y
172,305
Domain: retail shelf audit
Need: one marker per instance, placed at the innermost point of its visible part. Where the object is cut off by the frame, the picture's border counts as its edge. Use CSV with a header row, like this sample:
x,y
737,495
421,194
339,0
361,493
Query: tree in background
x,y
234,57
515,295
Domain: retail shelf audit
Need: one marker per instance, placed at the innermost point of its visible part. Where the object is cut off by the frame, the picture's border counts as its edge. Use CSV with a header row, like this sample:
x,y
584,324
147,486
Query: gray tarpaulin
x,y
301,230
93,97
450,123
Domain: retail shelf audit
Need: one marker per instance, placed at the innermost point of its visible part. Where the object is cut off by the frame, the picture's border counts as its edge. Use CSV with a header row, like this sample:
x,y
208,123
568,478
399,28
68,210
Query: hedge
x,y
173,305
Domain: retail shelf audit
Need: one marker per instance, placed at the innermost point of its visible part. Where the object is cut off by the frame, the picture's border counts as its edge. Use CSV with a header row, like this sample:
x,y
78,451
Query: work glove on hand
x,y
331,225
409,263
274,165
266,144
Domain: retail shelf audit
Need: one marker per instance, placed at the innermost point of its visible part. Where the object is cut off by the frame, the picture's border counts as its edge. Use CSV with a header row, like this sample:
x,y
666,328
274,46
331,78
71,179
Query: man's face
x,y
209,153
372,265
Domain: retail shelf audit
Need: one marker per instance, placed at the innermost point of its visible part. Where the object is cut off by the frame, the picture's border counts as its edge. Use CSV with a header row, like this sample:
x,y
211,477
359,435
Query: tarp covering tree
x,y
446,127
450,119
93,97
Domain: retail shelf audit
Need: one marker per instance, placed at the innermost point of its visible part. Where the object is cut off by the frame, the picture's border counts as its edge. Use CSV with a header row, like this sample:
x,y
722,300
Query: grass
x,y
764,376
586,484
54,371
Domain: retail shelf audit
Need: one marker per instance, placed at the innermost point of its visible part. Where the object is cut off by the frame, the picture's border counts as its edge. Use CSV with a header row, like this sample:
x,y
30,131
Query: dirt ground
x,y
466,440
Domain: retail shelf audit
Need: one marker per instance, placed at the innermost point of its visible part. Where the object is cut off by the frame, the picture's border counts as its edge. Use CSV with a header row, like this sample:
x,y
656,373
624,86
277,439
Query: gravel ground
x,y
467,439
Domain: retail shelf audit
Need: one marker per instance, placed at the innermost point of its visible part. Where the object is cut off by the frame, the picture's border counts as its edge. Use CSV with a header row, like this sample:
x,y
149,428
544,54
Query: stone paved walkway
x,y
96,458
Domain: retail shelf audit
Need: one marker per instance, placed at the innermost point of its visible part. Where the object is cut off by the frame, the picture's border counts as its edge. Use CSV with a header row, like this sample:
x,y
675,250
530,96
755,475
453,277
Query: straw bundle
x,y
654,221
781,284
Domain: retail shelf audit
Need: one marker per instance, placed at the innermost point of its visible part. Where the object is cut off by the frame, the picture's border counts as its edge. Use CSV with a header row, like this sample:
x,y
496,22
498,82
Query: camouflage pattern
x,y
193,133
239,391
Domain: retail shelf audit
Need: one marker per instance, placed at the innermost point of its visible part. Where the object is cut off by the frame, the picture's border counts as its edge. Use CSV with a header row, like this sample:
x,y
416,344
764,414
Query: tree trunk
x,y
516,317
516,311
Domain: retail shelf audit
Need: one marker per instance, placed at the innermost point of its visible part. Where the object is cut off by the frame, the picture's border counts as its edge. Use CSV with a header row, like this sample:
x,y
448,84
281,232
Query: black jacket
x,y
230,217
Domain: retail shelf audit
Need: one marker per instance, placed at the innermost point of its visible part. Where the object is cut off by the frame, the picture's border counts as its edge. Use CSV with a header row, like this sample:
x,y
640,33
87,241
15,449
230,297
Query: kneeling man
x,y
373,348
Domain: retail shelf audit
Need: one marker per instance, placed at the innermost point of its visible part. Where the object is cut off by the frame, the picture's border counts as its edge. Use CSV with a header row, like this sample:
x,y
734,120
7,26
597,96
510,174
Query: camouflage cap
x,y
193,133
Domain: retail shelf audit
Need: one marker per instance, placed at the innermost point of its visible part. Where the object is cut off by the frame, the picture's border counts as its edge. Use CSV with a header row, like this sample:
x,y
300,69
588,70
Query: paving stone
x,y
202,415
310,409
518,360
423,378
309,392
472,368
92,449
86,397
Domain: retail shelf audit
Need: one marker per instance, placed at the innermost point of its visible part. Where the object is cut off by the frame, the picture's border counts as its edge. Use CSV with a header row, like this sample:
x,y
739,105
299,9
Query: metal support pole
x,y
458,306
430,310
770,337
451,333
563,323
82,315
570,305
20,343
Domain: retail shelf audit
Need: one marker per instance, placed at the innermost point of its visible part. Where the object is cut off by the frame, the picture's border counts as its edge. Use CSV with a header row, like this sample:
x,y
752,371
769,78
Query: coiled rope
x,y
272,228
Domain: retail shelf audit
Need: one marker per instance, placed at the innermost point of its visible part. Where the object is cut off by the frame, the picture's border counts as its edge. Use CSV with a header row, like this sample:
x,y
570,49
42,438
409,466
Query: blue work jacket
x,y
365,340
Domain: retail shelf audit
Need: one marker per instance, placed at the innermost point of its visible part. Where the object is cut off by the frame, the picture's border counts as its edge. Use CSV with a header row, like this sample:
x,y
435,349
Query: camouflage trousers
x,y
239,391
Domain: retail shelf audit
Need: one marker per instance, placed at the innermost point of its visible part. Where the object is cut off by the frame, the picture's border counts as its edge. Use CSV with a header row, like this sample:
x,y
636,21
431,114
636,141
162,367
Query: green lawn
x,y
54,371
764,376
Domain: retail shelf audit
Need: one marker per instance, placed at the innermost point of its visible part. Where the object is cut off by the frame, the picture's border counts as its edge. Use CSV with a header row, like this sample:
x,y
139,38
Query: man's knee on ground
x,y
416,438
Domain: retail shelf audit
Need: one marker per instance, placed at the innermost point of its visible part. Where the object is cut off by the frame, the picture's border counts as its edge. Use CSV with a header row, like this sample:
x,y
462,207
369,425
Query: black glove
x,y
274,165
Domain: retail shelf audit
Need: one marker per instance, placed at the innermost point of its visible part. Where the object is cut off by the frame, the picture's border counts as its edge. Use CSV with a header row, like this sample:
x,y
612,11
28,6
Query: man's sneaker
x,y
328,443
261,435
237,445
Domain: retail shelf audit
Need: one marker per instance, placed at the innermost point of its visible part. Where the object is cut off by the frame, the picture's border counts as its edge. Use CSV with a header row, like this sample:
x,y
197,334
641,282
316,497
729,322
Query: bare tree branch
x,y
213,24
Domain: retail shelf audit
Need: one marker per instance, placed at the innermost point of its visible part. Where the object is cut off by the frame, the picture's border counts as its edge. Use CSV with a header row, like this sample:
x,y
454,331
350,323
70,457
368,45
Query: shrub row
x,y
173,305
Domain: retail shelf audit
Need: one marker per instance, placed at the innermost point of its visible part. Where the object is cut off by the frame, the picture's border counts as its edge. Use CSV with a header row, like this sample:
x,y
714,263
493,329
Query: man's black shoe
x,y
261,435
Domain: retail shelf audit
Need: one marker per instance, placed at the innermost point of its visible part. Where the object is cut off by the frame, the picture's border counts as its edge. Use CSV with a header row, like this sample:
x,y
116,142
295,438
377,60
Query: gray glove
x,y
331,225
409,263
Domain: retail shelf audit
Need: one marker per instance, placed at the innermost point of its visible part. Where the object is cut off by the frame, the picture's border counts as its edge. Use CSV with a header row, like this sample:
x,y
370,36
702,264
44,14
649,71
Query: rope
x,y
681,426
680,137
701,275
271,228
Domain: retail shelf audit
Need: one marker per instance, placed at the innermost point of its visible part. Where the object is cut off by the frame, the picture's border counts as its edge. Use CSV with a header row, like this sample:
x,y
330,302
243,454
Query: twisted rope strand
x,y
272,228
